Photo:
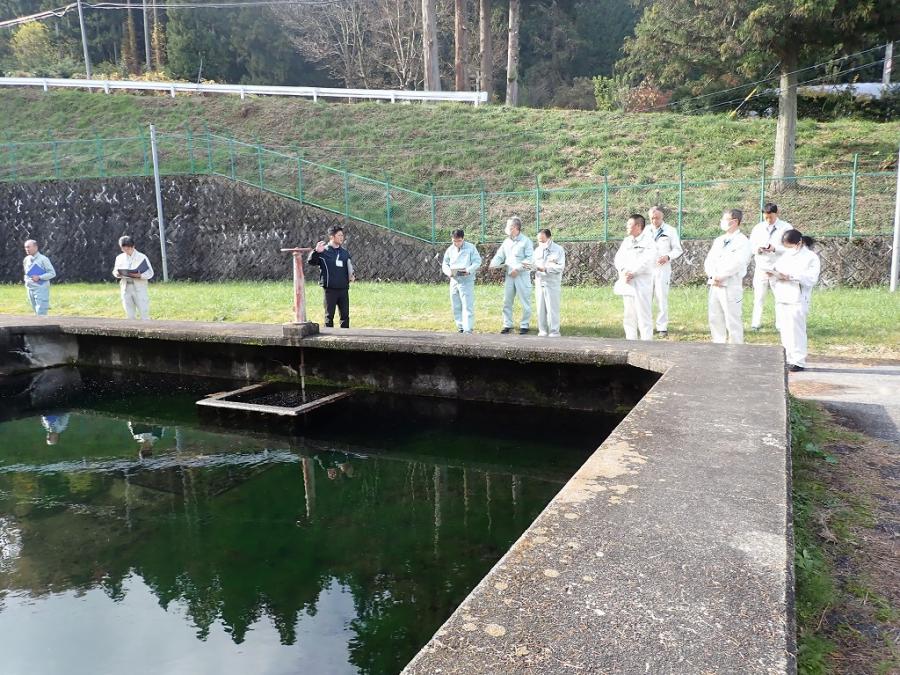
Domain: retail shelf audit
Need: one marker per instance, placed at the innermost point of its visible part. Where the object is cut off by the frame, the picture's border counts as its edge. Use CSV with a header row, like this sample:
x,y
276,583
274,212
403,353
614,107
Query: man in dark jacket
x,y
337,273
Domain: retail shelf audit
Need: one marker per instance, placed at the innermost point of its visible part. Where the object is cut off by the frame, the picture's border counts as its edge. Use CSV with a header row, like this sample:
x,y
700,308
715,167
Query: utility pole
x,y
888,64
146,37
159,204
895,250
87,57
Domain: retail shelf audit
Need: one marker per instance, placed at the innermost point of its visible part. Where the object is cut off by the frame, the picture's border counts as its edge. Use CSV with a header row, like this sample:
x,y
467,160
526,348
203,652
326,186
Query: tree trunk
x,y
512,62
430,46
462,46
786,132
487,49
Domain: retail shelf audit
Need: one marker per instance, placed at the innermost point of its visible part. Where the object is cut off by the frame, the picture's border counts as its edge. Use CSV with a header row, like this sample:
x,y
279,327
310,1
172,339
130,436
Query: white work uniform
x,y
135,298
548,286
462,287
761,236
792,300
638,256
727,260
38,292
511,254
668,244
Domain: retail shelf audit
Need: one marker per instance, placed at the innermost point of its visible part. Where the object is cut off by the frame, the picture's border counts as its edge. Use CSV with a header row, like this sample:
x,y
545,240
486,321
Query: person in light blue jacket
x,y
37,286
515,249
461,263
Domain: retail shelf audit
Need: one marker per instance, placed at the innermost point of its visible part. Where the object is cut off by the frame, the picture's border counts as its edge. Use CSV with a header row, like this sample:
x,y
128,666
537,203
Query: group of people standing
x,y
132,268
784,264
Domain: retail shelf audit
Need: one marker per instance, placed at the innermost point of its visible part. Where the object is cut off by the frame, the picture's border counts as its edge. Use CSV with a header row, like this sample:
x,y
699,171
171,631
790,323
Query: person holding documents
x,y
726,266
133,270
38,272
765,243
794,275
337,273
635,261
548,263
668,248
461,262
515,249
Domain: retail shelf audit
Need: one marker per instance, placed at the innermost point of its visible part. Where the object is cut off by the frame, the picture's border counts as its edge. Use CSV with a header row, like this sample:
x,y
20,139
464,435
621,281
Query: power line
x,y
764,80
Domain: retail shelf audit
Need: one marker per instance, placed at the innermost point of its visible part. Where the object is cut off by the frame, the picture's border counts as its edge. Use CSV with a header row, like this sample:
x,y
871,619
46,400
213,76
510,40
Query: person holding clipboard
x,y
461,262
38,272
794,275
133,270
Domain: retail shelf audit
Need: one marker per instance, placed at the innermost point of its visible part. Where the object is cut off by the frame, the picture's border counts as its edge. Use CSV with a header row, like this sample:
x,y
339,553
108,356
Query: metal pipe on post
x,y
895,251
888,65
84,46
299,283
159,204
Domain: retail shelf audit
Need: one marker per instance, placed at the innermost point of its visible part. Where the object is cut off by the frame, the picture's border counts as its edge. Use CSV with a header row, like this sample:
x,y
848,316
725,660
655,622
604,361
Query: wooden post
x,y
299,283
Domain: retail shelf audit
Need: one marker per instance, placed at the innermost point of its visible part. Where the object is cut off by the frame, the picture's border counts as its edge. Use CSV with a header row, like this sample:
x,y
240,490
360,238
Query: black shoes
x,y
505,330
523,331
795,368
662,333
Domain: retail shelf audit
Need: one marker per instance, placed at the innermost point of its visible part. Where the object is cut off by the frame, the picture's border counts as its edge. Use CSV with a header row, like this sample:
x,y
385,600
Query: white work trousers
x,y
762,283
462,300
726,308
519,285
548,296
39,297
135,300
638,316
662,276
791,319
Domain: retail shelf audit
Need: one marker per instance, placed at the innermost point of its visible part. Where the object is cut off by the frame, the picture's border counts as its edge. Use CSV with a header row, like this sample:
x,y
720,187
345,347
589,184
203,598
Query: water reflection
x,y
141,543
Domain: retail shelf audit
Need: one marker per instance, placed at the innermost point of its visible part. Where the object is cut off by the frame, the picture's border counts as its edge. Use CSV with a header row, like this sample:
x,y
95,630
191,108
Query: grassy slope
x,y
843,321
452,146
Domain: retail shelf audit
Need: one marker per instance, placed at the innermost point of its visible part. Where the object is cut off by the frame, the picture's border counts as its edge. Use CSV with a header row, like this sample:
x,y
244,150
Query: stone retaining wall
x,y
220,230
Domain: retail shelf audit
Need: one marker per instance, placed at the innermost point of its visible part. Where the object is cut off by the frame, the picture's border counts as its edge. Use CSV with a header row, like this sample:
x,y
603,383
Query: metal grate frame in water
x,y
275,399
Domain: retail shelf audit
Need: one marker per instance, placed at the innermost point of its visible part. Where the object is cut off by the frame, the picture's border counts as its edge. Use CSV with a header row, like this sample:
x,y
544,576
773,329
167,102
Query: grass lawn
x,y
847,322
451,146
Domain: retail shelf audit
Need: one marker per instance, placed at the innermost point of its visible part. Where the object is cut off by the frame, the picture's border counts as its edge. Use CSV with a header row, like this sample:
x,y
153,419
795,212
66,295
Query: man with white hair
x,y
515,249
133,270
668,247
38,271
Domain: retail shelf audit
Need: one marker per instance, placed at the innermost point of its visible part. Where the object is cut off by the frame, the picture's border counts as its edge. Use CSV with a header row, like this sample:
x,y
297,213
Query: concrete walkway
x,y
866,395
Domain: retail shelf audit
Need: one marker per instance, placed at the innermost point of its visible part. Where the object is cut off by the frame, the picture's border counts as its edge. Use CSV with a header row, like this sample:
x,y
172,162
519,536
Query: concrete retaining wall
x,y
220,230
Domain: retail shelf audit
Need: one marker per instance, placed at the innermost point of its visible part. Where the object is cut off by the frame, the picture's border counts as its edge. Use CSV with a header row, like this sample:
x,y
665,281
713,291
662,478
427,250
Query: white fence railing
x,y
315,93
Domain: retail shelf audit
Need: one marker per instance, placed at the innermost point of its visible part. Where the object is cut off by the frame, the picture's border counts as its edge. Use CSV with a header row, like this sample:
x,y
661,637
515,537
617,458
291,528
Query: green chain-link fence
x,y
854,203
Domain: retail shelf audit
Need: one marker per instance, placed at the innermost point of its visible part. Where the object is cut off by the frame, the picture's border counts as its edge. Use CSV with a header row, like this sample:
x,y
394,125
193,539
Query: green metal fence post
x,y
680,198
387,191
605,205
537,204
209,159
12,161
56,167
299,154
853,193
483,218
146,149
101,169
190,144
231,156
259,161
346,189
762,185
433,216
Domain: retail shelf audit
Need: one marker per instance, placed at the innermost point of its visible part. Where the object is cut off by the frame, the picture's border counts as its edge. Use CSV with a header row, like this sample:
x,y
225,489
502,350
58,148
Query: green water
x,y
146,540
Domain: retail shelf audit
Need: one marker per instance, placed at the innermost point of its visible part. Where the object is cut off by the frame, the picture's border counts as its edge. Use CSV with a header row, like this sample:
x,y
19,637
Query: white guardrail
x,y
315,93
